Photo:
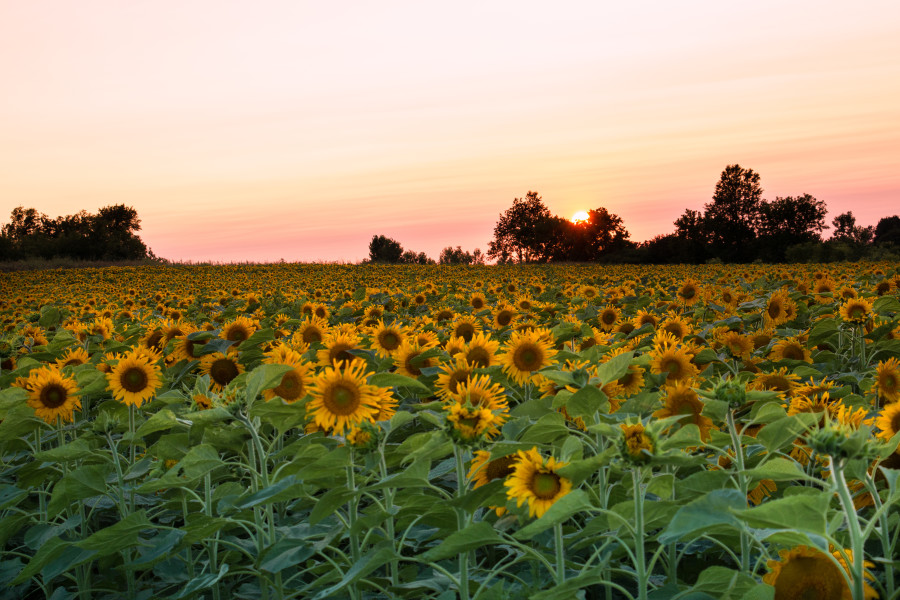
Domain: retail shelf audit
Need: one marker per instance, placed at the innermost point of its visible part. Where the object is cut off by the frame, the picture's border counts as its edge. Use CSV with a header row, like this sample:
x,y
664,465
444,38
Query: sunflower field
x,y
343,431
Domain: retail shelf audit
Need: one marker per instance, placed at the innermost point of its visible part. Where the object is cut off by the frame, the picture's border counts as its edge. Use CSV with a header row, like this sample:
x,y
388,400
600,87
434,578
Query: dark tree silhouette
x,y
524,232
785,222
385,249
601,234
458,256
888,231
846,230
734,213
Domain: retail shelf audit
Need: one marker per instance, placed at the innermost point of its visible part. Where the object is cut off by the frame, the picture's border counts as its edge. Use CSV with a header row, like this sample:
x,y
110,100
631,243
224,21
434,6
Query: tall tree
x,y
888,231
846,230
524,232
789,221
734,213
385,249
600,234
692,231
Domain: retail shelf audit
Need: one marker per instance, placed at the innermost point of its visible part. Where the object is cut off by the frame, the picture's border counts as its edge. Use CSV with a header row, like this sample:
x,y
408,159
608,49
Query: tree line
x,y
108,235
737,225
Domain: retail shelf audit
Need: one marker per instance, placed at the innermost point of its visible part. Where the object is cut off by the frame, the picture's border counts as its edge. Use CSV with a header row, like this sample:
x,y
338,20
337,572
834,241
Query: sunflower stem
x,y
131,431
389,508
560,554
461,522
742,484
212,548
352,517
640,566
856,540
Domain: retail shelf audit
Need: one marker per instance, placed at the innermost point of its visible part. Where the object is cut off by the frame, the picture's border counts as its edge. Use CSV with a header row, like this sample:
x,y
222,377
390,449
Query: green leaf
x,y
396,380
371,560
77,450
202,582
783,432
572,503
474,535
415,475
805,513
614,368
587,401
547,430
329,503
778,469
724,583
286,552
49,551
258,338
886,304
279,414
91,381
285,489
662,485
199,461
715,508
49,317
160,421
119,536
85,482
264,377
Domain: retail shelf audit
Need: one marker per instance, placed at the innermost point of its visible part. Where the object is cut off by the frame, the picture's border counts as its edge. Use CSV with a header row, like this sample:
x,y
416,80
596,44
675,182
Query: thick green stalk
x,y
389,506
560,554
742,484
352,518
461,522
640,565
856,540
213,546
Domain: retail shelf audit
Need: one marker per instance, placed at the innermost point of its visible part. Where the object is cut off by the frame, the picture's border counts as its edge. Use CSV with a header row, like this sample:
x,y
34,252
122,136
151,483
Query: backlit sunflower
x,y
674,362
337,347
791,349
856,310
525,353
221,368
887,380
386,339
52,395
481,350
535,481
135,378
465,327
682,400
689,293
73,357
805,572
888,421
342,399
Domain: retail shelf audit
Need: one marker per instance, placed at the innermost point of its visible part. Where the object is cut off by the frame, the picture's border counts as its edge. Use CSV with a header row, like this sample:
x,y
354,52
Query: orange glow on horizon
x,y
580,217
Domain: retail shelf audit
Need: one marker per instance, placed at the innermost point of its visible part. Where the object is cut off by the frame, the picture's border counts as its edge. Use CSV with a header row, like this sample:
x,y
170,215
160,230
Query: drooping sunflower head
x,y
682,400
221,368
674,362
536,481
805,572
638,446
471,423
525,353
887,380
52,395
856,310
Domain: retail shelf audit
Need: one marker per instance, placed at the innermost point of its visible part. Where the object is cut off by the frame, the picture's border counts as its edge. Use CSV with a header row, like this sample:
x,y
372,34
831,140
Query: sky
x,y
297,130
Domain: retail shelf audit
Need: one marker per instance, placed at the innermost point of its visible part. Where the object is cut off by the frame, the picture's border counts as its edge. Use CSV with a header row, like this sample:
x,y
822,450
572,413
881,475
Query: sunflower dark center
x,y
465,331
688,292
774,309
339,353
608,317
793,351
312,334
389,340
545,485
588,343
237,334
73,361
154,340
528,358
504,317
320,312
291,387
500,467
223,371
444,315
409,366
477,303
343,400
53,395
672,367
478,356
455,379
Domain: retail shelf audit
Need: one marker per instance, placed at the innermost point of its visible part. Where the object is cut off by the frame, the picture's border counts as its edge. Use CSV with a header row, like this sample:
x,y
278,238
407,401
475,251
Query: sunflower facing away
x,y
535,481
887,380
805,572
526,352
52,395
682,400
342,399
135,378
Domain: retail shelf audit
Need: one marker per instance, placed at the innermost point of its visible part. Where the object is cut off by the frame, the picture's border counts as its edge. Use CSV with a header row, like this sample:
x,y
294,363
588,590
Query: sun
x,y
580,217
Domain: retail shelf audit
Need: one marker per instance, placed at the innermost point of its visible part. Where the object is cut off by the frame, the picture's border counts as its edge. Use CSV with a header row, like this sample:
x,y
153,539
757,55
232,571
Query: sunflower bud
x,y
732,392
638,445
843,442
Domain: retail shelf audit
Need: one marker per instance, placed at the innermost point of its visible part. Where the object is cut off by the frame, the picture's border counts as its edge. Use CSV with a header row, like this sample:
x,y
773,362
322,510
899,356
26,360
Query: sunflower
x,y
426,339
525,353
504,315
777,308
689,293
342,399
888,421
805,572
443,314
484,470
73,357
470,423
637,445
465,327
52,395
856,310
780,381
609,317
295,383
682,400
740,345
185,349
674,362
791,349
221,368
477,301
386,339
763,490
887,380
454,345
312,329
135,378
202,401
644,317
481,350
337,347
478,390
677,326
405,358
535,481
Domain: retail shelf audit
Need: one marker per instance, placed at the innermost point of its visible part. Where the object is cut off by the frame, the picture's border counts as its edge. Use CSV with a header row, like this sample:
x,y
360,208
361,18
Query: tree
x,y
888,231
411,257
787,222
524,232
692,231
599,235
734,213
384,249
846,230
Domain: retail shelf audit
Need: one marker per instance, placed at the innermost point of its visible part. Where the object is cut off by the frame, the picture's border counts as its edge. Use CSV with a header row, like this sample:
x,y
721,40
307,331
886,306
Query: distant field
x,y
341,431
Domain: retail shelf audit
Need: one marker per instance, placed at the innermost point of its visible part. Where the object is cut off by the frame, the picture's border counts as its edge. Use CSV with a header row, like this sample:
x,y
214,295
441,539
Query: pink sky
x,y
298,130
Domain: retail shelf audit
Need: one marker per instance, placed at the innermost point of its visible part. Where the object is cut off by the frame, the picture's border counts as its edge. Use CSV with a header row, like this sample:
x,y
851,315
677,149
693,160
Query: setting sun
x,y
580,216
